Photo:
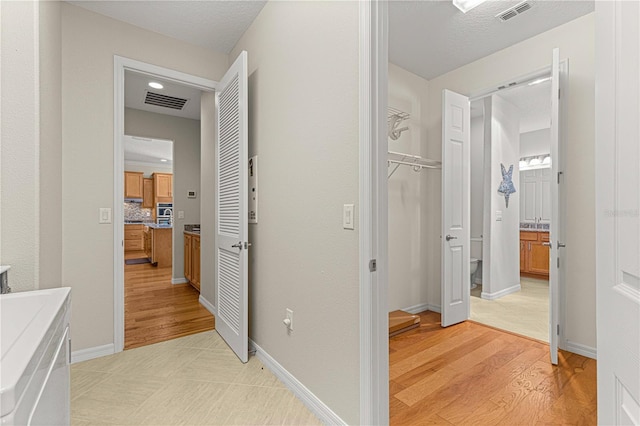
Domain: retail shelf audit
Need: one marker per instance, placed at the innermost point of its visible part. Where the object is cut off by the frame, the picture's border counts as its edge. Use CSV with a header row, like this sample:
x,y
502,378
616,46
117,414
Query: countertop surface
x,y
534,230
149,224
192,232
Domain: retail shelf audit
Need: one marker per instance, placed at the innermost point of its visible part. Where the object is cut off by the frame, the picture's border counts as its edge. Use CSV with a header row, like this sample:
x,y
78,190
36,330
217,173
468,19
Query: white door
x,y
455,208
231,208
617,211
555,226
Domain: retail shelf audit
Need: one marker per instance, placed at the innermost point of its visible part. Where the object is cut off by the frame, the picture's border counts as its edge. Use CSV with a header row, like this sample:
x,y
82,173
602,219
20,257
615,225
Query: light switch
x,y
180,214
347,216
498,215
105,215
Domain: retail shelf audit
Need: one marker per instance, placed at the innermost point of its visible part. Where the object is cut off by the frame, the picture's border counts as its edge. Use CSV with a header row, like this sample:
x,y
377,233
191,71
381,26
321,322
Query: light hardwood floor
x,y
472,374
155,309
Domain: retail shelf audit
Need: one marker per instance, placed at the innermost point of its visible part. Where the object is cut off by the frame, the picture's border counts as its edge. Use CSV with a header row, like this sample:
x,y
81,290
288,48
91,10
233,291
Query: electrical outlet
x,y
288,320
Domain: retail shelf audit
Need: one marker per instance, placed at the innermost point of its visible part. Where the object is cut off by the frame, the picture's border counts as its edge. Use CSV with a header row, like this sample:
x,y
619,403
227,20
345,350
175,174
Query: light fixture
x,y
155,85
164,160
535,161
522,163
546,160
467,5
540,80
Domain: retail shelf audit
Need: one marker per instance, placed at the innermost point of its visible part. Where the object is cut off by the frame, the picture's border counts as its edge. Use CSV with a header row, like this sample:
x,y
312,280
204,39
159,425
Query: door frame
x,y
120,65
562,141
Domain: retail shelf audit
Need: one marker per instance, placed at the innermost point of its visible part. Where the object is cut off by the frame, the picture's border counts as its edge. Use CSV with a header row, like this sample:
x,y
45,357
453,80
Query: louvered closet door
x,y
231,208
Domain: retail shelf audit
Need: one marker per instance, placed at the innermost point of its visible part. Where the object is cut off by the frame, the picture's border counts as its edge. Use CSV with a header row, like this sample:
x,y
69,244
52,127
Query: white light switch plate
x,y
347,216
180,214
498,215
105,215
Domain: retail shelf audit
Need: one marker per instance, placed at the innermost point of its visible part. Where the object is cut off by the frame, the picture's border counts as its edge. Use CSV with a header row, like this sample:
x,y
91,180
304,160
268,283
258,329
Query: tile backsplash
x,y
134,211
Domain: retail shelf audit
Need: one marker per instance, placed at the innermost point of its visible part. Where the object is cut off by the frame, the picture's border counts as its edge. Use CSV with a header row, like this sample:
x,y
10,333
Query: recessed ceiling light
x,y
540,80
164,160
156,85
467,5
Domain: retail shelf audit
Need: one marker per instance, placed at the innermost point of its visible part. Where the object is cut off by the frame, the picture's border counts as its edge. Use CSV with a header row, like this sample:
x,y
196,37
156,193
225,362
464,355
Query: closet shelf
x,y
418,163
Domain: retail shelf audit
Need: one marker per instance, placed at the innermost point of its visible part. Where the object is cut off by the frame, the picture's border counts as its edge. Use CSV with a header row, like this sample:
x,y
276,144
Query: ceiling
x,y
431,38
149,151
533,102
136,86
215,25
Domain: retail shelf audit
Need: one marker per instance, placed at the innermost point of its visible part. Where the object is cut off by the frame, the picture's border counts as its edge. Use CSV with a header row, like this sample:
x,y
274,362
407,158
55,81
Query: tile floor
x,y
193,380
525,312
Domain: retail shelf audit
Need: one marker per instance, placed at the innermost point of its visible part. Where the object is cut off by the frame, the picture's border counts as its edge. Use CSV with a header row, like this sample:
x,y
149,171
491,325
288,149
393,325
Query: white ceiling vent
x,y
165,101
514,11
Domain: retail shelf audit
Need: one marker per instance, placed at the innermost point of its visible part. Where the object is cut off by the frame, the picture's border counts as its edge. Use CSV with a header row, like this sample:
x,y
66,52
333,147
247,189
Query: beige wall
x,y
407,275
20,150
576,42
89,42
303,125
207,197
185,134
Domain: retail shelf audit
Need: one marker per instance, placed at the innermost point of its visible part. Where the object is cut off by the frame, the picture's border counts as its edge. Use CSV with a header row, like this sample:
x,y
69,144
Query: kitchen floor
x,y
525,313
193,380
155,309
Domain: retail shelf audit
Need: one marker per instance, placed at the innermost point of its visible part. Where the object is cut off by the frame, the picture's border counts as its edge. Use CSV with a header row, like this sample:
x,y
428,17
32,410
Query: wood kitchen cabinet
x,y
534,256
163,187
147,241
161,242
192,259
133,185
133,237
147,191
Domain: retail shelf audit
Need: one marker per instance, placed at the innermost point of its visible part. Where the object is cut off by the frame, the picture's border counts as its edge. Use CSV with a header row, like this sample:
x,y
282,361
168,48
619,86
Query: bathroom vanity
x,y
534,254
34,372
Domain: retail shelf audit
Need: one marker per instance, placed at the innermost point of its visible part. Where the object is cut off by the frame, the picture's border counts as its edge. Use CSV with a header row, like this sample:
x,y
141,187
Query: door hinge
x,y
558,261
559,173
373,265
558,329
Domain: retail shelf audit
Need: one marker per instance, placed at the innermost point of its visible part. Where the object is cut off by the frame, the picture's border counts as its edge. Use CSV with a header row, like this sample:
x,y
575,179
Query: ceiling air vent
x,y
514,11
165,101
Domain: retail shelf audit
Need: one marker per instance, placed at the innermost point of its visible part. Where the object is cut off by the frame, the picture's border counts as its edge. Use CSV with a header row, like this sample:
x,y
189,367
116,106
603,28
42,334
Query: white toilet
x,y
472,270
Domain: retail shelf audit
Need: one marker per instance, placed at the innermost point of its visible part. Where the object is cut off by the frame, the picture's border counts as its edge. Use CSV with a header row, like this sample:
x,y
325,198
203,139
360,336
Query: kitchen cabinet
x,y
133,185
147,193
534,256
535,196
161,246
133,237
163,187
192,259
147,242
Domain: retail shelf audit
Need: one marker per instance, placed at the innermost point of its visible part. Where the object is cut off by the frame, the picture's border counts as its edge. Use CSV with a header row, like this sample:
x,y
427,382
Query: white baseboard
x,y
204,302
434,308
91,353
581,349
179,281
416,309
312,402
501,293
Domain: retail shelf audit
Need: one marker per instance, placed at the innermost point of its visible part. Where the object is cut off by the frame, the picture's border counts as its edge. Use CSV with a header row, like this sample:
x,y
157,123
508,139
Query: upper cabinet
x,y
147,199
133,185
163,187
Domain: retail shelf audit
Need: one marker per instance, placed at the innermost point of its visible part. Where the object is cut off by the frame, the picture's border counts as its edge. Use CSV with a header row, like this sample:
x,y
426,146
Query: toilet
x,y
472,270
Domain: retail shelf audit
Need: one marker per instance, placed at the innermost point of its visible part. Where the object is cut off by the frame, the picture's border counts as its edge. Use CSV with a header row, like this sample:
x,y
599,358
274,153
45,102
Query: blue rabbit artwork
x,y
506,186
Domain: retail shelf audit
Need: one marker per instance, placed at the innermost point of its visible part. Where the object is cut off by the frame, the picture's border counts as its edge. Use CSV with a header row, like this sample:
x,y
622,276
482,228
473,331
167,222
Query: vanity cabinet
x,y
534,256
133,185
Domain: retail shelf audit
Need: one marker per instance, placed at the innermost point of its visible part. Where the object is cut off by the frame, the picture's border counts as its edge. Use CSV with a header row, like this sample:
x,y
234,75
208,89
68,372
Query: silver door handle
x,y
449,238
238,246
247,245
561,245
546,244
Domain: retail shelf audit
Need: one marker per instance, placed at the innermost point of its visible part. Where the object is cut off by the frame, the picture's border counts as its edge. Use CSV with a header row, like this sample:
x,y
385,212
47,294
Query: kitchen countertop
x,y
158,226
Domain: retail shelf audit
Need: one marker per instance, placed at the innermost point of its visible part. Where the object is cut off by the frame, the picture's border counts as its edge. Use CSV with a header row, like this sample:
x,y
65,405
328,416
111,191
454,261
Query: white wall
x,y
407,277
207,197
89,42
477,177
502,237
303,125
20,151
576,42
147,169
537,142
185,134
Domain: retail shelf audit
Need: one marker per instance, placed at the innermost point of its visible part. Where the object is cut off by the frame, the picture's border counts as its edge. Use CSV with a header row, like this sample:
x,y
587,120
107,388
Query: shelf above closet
x,y
397,159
